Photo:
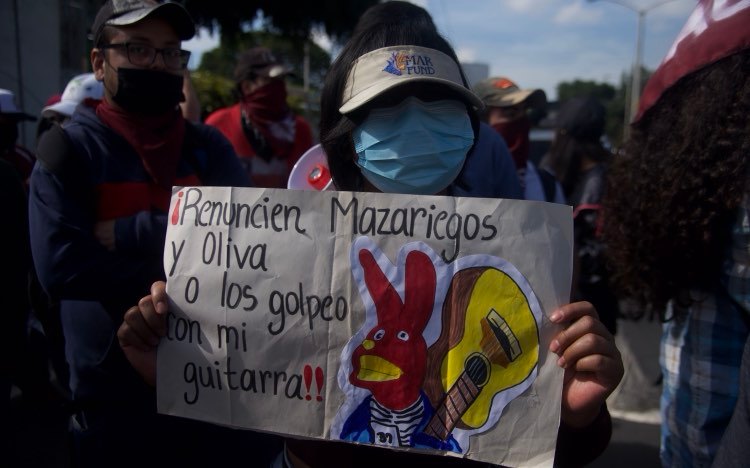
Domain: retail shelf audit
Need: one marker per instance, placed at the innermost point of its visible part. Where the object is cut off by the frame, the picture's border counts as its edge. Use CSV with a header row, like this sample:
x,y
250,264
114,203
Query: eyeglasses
x,y
144,55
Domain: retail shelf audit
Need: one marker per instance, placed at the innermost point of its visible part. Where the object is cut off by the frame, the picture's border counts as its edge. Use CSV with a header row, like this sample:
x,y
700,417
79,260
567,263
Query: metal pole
x,y
626,108
631,105
635,94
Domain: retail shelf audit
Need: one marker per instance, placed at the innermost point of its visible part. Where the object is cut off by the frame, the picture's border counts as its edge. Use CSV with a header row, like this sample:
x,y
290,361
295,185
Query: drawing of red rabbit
x,y
390,362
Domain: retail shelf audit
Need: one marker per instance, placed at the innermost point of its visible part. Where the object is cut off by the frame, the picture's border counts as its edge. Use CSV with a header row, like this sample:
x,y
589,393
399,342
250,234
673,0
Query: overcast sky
x,y
539,43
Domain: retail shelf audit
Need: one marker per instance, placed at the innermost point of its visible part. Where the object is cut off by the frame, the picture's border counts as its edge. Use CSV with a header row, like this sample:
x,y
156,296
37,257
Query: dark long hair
x,y
578,135
673,195
387,24
564,159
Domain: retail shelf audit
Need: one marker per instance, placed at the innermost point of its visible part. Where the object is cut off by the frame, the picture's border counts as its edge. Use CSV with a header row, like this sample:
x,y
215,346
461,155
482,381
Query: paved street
x,y
635,403
632,445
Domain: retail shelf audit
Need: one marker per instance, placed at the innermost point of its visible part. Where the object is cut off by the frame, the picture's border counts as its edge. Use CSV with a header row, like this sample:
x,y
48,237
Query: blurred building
x,y
43,44
475,72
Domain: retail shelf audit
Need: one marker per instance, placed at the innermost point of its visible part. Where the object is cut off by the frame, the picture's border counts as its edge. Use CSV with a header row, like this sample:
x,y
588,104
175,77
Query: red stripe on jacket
x,y
122,199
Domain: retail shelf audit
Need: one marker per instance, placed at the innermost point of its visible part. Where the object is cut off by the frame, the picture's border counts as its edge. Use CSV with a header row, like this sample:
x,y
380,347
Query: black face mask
x,y
8,136
150,92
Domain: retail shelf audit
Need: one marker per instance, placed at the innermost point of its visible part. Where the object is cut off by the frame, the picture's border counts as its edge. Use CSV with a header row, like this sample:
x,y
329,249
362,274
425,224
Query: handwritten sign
x,y
409,322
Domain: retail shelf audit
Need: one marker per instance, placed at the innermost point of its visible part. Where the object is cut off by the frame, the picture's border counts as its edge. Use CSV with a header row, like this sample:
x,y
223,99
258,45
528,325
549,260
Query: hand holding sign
x,y
243,366
593,366
142,329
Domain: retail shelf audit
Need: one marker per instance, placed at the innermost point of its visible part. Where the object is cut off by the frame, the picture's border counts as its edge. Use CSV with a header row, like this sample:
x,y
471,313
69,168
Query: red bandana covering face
x,y
268,112
716,29
516,136
157,139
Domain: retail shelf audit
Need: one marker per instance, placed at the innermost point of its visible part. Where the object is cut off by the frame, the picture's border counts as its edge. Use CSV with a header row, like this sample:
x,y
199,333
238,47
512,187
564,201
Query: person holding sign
x,y
398,117
98,204
382,105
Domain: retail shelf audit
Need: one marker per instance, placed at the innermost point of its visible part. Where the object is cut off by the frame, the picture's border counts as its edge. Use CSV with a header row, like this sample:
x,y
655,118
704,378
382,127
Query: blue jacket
x,y
88,173
489,170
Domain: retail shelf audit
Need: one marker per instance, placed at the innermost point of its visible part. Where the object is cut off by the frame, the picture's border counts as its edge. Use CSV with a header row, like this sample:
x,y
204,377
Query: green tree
x,y
603,91
214,78
223,59
614,128
290,18
615,99
282,25
214,91
607,94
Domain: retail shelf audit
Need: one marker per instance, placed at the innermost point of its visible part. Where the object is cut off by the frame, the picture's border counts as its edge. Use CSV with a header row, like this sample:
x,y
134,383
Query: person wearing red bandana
x,y
506,111
267,136
99,198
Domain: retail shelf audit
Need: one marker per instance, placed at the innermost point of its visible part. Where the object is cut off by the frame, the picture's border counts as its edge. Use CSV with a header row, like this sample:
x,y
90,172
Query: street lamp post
x,y
635,93
635,85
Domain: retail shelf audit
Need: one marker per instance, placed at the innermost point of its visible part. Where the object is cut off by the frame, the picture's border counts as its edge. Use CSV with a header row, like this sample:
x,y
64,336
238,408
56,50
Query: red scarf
x,y
516,136
268,112
157,139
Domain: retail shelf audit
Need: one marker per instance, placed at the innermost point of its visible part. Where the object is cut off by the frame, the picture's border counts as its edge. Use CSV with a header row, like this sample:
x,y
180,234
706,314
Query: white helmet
x,y
78,89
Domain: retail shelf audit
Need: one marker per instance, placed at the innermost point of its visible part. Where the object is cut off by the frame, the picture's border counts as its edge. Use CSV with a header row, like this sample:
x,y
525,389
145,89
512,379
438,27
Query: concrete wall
x,y
476,72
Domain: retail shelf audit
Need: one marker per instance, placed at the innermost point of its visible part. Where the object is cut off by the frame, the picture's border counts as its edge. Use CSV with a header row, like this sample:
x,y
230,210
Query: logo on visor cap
x,y
402,63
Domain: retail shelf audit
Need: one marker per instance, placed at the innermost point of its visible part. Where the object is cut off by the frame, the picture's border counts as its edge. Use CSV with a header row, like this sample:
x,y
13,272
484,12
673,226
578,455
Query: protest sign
x,y
413,322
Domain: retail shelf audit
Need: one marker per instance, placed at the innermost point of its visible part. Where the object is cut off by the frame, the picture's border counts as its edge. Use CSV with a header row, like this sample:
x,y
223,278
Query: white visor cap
x,y
380,70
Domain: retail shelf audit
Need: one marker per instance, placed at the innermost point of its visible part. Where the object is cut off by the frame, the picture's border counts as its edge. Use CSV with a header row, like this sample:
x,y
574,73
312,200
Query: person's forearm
x,y
577,447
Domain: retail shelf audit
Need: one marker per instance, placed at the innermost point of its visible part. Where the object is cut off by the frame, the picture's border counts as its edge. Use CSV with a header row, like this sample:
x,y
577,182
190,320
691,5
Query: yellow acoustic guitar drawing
x,y
493,344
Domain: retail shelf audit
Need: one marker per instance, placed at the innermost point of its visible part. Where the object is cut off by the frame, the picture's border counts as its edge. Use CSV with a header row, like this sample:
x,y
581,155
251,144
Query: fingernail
x,y
556,316
161,307
554,346
561,362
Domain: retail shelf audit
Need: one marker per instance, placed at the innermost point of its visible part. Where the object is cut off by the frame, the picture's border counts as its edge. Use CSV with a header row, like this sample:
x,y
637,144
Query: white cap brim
x,y
63,107
383,69
174,13
535,97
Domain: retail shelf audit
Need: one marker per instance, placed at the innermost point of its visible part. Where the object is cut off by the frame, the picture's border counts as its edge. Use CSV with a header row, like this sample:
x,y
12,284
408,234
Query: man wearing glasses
x,y
98,204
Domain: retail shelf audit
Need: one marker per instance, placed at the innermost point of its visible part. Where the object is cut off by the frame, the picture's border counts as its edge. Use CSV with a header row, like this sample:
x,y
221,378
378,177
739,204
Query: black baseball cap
x,y
126,12
582,118
259,61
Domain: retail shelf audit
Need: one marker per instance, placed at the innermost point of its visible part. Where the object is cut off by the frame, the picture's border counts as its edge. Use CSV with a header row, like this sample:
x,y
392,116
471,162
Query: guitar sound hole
x,y
477,367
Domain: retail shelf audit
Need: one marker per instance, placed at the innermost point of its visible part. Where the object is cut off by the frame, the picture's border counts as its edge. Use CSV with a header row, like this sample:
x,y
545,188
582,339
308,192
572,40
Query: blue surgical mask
x,y
415,147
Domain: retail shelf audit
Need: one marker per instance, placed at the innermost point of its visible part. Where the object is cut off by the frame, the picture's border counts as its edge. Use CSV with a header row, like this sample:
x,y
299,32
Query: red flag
x,y
716,29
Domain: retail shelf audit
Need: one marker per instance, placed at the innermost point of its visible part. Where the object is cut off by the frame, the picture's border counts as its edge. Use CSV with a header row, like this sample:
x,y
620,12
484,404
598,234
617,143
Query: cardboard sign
x,y
408,322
